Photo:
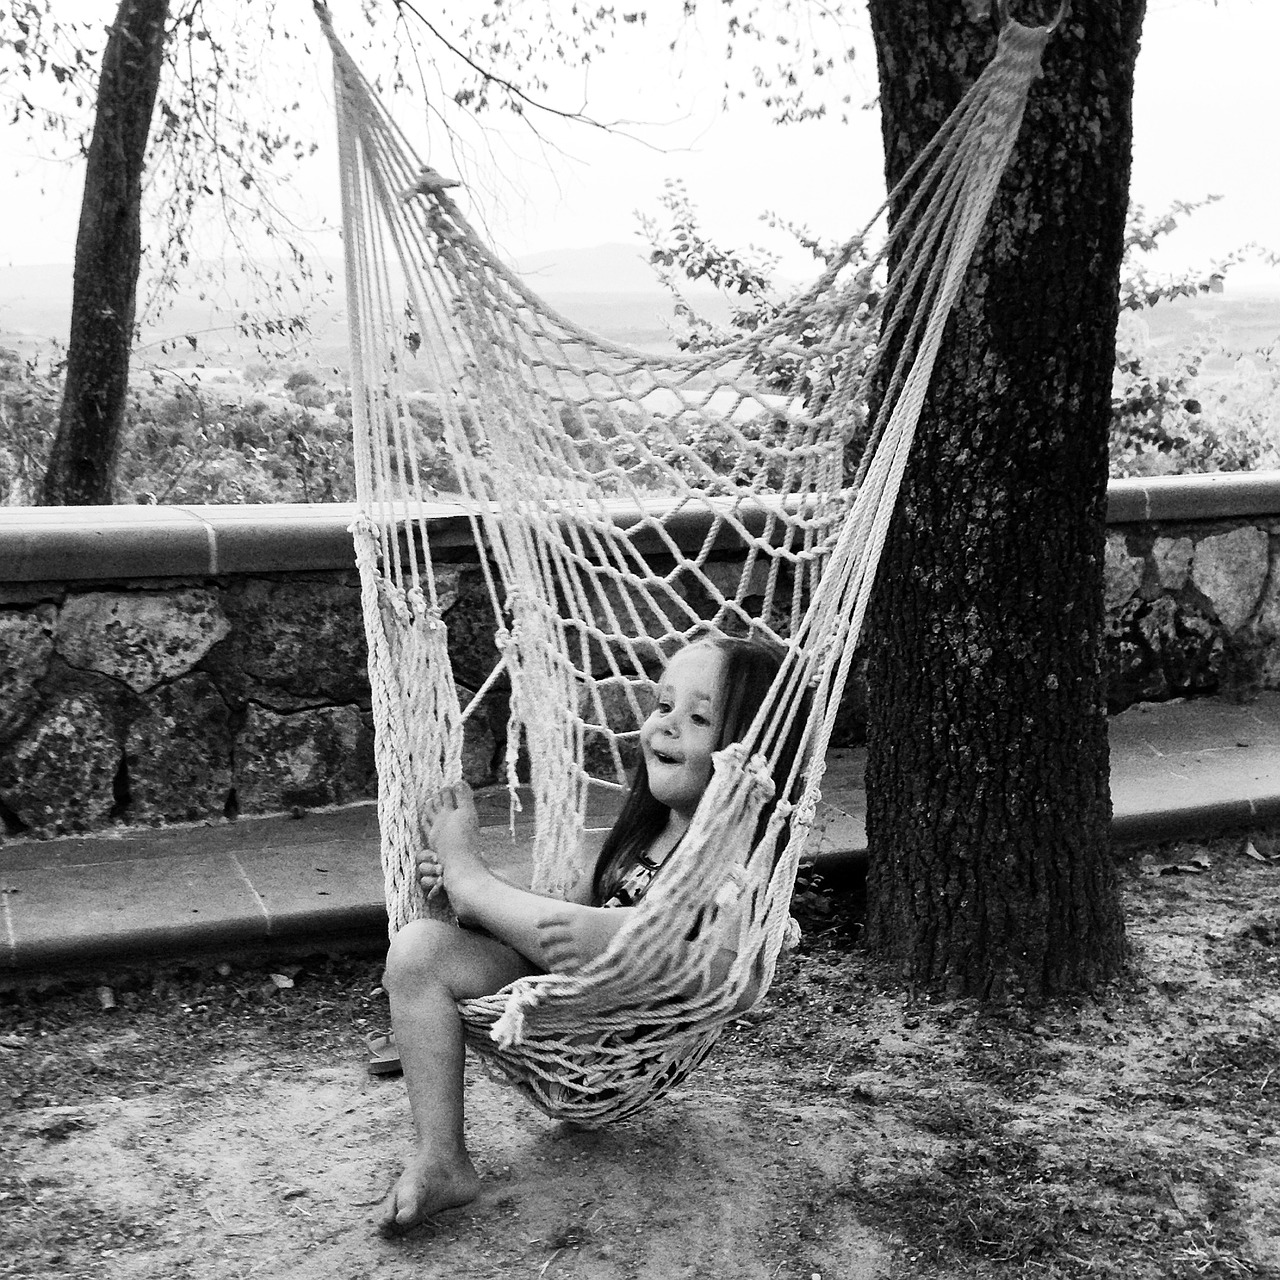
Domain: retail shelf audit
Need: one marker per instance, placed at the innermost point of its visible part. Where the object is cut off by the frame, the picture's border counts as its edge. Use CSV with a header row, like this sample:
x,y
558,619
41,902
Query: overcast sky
x,y
1207,105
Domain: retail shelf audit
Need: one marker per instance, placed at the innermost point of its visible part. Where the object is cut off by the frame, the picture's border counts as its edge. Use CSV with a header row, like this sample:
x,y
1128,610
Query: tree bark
x,y
987,776
82,462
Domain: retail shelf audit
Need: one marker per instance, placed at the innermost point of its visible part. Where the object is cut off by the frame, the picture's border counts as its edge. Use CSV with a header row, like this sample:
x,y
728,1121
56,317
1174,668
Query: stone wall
x,y
1193,587
1192,609
155,701
164,667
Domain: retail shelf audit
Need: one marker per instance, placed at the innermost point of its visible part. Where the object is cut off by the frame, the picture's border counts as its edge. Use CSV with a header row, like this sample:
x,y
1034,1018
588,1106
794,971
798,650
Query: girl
x,y
708,697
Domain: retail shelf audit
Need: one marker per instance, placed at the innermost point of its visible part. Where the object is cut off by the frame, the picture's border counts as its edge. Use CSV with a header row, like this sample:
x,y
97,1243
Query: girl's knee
x,y
419,953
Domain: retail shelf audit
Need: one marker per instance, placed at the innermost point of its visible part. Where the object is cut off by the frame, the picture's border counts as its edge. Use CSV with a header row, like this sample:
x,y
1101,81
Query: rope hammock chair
x,y
583,465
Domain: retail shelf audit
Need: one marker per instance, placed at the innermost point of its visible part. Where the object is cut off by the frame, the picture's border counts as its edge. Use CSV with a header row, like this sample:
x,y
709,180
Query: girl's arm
x,y
534,925
550,933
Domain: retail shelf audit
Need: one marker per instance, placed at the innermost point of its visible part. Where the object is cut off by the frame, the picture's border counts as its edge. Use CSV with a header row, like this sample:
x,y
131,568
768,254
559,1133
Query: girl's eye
x,y
699,718
664,707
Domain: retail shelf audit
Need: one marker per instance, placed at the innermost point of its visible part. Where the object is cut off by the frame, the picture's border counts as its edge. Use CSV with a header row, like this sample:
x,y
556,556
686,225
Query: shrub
x,y
1172,418
1168,415
311,397
183,444
195,451
29,396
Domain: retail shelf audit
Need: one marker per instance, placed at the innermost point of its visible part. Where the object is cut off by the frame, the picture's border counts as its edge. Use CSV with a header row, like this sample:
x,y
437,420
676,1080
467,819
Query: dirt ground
x,y
218,1123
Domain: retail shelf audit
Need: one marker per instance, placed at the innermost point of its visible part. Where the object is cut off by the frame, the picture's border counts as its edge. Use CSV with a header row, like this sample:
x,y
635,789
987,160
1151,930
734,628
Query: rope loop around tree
x,y
1064,12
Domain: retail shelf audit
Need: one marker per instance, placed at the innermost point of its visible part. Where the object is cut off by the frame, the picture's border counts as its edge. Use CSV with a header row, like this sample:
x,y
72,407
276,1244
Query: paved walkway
x,y
1178,770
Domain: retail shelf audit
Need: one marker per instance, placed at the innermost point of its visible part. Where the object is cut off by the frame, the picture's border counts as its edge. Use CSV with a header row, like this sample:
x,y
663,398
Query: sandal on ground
x,y
384,1057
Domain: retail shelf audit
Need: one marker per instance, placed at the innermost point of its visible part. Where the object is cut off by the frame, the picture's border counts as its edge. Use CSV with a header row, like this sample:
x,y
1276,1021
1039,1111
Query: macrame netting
x,y
584,466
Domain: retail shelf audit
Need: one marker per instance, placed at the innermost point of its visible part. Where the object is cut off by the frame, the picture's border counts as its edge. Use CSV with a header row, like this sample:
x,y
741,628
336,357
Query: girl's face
x,y
678,738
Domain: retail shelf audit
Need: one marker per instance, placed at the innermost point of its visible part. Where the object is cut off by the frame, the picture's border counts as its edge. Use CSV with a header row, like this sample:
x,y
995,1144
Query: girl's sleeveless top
x,y
633,883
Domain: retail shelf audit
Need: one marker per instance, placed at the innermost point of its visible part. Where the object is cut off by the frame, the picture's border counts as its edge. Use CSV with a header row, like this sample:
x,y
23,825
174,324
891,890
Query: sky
x,y
1206,104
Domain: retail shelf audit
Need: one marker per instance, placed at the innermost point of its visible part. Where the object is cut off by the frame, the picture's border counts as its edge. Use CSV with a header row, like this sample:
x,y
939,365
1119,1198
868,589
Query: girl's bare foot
x,y
454,851
427,1186
452,819
572,936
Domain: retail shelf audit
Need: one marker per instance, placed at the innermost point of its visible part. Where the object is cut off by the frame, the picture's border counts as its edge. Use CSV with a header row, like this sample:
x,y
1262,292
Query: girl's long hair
x,y
750,668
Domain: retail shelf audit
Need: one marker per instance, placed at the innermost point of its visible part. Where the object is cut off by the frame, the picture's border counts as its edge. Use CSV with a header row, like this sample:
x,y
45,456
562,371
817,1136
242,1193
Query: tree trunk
x,y
82,462
987,776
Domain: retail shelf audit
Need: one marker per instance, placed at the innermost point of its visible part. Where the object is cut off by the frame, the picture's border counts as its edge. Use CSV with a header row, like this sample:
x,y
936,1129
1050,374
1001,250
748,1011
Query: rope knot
x,y
429,183
735,881
509,1028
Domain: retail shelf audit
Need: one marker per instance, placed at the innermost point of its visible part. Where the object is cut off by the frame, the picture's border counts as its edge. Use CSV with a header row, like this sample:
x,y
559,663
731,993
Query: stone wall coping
x,y
62,544
1214,496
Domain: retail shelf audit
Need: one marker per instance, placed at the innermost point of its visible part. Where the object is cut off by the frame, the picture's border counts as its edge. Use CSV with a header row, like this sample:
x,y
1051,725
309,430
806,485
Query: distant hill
x,y
1251,320
608,288
35,300
602,268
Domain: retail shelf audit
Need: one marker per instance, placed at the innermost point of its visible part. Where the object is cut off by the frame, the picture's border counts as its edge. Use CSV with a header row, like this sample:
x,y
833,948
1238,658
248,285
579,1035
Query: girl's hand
x,y
430,873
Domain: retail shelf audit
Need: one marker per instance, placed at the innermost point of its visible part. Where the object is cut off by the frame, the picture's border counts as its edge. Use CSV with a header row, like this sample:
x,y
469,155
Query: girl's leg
x,y
525,921
430,966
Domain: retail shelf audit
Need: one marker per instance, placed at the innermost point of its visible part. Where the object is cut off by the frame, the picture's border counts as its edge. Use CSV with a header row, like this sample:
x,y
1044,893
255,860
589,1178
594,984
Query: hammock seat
x,y
578,462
